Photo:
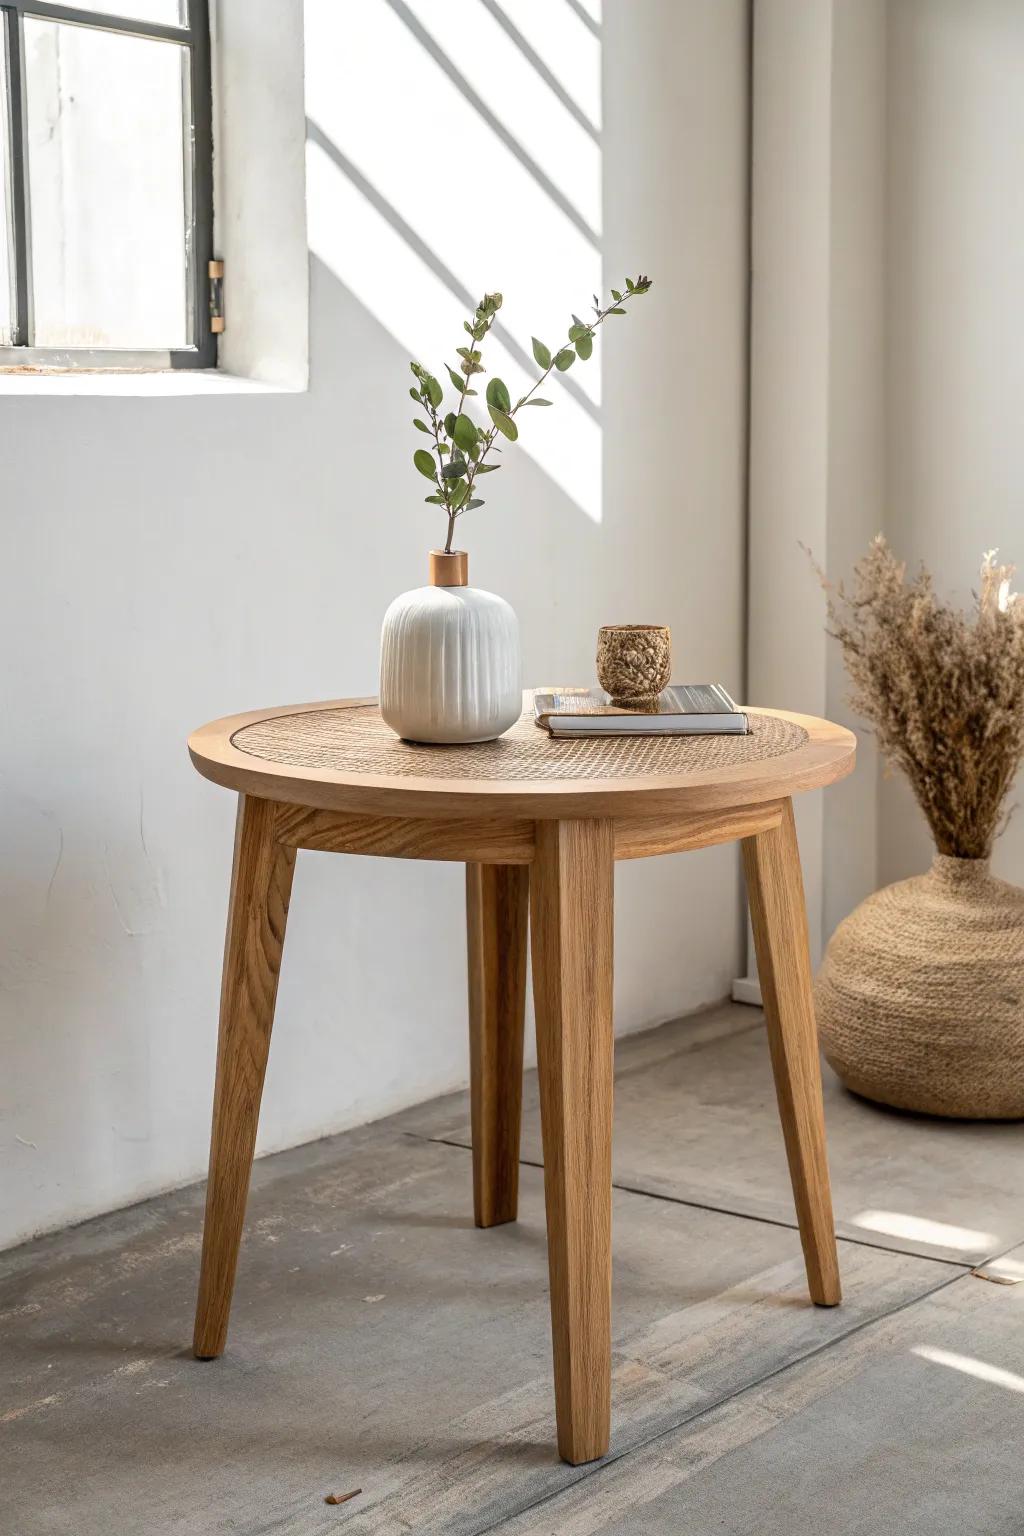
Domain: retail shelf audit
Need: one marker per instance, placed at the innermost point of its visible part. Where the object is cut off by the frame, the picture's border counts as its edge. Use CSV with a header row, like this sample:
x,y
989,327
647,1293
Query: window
x,y
107,186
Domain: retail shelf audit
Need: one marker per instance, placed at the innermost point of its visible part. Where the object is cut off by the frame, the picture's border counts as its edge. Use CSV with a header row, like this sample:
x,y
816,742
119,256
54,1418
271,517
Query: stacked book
x,y
682,709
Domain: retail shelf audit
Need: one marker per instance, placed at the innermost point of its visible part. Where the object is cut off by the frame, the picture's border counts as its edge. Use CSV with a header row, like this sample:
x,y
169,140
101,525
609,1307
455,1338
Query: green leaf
x,y
584,347
487,469
465,433
537,400
616,295
541,354
435,500
435,393
564,359
420,424
458,496
504,423
577,330
457,379
449,423
424,462
498,395
616,311
477,501
415,394
454,470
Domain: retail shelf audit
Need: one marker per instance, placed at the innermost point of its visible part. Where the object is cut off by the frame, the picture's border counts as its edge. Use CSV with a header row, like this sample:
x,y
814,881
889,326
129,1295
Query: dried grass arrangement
x,y
920,996
943,689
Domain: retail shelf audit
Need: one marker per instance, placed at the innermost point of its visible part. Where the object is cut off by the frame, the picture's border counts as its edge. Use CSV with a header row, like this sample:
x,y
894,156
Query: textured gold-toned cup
x,y
634,662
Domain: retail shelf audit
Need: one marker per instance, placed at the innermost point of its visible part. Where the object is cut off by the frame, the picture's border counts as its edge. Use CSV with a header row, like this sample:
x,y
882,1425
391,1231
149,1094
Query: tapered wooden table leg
x,y
497,908
261,883
571,898
776,892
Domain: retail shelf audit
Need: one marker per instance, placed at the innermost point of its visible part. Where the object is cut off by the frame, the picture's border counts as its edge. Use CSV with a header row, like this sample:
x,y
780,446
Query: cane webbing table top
x,y
358,741
341,755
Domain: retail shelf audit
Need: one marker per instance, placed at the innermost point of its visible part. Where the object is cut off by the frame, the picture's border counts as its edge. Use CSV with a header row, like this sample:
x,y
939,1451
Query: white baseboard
x,y
747,989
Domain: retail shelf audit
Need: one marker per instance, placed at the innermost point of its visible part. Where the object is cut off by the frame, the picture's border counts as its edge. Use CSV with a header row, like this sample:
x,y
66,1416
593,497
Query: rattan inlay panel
x,y
356,740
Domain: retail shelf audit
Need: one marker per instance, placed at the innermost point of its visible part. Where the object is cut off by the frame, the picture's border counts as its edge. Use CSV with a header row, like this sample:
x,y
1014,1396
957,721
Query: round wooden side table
x,y
538,823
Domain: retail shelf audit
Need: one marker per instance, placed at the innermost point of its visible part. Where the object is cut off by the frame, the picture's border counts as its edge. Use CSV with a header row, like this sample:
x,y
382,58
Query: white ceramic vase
x,y
449,659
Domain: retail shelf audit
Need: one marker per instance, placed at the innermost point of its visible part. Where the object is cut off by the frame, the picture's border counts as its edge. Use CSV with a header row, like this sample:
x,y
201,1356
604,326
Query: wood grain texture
x,y
827,754
775,889
499,840
571,915
497,911
644,837
261,883
491,840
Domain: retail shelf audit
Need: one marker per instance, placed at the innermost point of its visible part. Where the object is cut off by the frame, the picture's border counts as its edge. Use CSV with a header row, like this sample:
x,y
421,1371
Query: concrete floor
x,y
379,1341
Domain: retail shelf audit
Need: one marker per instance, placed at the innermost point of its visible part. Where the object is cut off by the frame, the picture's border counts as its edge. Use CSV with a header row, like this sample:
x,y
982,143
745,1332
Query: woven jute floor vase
x,y
920,997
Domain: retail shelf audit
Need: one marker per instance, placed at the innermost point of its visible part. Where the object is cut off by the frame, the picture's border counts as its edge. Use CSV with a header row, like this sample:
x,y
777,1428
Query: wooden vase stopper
x,y
449,570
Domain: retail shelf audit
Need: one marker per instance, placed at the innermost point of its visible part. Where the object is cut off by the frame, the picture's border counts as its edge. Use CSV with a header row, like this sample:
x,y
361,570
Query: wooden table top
x,y
340,755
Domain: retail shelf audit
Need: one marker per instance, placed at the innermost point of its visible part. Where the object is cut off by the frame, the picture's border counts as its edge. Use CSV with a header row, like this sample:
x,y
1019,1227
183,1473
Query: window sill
x,y
160,383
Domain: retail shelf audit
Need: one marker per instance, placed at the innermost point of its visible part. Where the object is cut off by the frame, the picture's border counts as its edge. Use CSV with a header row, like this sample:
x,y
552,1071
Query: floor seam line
x,y
687,1050
726,1210
720,1402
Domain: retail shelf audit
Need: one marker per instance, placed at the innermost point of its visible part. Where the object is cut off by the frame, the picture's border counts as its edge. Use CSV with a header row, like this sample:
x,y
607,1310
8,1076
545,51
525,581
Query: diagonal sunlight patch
x,y
390,279
589,13
567,38
532,113
450,177
979,1369
1004,1271
533,58
919,1229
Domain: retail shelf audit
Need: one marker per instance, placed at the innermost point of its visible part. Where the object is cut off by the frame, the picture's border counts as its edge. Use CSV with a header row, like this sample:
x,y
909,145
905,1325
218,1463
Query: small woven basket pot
x,y
920,996
634,661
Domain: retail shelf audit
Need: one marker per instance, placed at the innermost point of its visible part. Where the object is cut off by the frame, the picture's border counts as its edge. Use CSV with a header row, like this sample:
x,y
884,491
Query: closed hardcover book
x,y
682,709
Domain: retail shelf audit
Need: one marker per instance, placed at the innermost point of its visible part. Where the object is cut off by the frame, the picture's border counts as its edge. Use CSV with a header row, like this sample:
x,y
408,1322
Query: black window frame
x,y
197,248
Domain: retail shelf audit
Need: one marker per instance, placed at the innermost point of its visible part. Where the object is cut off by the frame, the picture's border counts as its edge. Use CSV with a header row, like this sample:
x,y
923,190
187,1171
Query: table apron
x,y
506,840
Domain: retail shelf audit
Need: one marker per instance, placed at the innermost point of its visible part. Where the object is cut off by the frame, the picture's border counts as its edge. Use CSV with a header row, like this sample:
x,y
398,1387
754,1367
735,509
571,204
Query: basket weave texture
x,y
920,997
356,740
634,662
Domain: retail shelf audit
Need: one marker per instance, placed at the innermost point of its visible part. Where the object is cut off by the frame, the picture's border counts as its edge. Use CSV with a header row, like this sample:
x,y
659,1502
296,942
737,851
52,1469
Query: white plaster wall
x,y
260,230
887,370
789,368
167,560
856,414
955,461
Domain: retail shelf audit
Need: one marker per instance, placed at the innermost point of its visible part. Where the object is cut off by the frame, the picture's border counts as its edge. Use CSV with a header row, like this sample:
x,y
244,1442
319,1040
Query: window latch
x,y
215,271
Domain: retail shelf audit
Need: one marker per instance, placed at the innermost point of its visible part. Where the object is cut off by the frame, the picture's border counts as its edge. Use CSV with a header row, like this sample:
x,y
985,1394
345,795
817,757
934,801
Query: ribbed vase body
x,y
449,665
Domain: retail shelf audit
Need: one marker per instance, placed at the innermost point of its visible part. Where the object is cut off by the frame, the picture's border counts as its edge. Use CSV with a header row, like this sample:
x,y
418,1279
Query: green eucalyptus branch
x,y
461,447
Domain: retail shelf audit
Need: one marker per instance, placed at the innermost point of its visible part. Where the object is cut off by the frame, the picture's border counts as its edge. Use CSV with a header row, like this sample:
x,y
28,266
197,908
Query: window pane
x,y
6,227
169,13
107,187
